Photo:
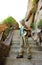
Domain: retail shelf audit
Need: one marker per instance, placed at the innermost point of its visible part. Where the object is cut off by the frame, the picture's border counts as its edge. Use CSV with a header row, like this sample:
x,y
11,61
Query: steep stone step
x,y
25,49
34,56
18,42
18,38
12,61
32,50
16,51
18,45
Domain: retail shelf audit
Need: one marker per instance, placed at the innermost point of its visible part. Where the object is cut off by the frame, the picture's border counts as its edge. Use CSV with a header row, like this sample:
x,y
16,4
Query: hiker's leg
x,y
21,51
21,45
28,48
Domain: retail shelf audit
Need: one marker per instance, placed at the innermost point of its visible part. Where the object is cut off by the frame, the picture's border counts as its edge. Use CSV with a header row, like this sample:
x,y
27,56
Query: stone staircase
x,y
36,52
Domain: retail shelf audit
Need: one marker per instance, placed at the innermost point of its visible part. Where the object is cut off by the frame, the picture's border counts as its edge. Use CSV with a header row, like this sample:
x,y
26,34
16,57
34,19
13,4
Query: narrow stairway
x,y
36,52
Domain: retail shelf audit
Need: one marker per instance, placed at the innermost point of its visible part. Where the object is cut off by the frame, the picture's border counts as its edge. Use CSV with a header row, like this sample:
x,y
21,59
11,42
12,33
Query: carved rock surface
x,y
38,15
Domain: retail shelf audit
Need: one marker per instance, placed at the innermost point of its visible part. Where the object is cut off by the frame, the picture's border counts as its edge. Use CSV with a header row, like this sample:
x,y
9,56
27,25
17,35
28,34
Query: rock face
x,y
30,5
38,13
2,27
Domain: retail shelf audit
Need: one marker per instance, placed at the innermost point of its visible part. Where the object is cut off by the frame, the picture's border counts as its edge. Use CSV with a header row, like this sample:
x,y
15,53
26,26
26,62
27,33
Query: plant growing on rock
x,y
40,24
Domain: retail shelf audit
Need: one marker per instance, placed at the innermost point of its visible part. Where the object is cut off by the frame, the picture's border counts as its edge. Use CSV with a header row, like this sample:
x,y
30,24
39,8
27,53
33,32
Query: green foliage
x,y
32,26
40,24
35,1
9,20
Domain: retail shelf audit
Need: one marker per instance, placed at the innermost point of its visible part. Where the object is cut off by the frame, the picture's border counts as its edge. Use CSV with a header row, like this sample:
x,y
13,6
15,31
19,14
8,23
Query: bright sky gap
x,y
14,8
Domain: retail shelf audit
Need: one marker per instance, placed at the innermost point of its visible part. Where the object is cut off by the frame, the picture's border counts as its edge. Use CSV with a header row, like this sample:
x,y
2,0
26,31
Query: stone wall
x,y
30,5
38,14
